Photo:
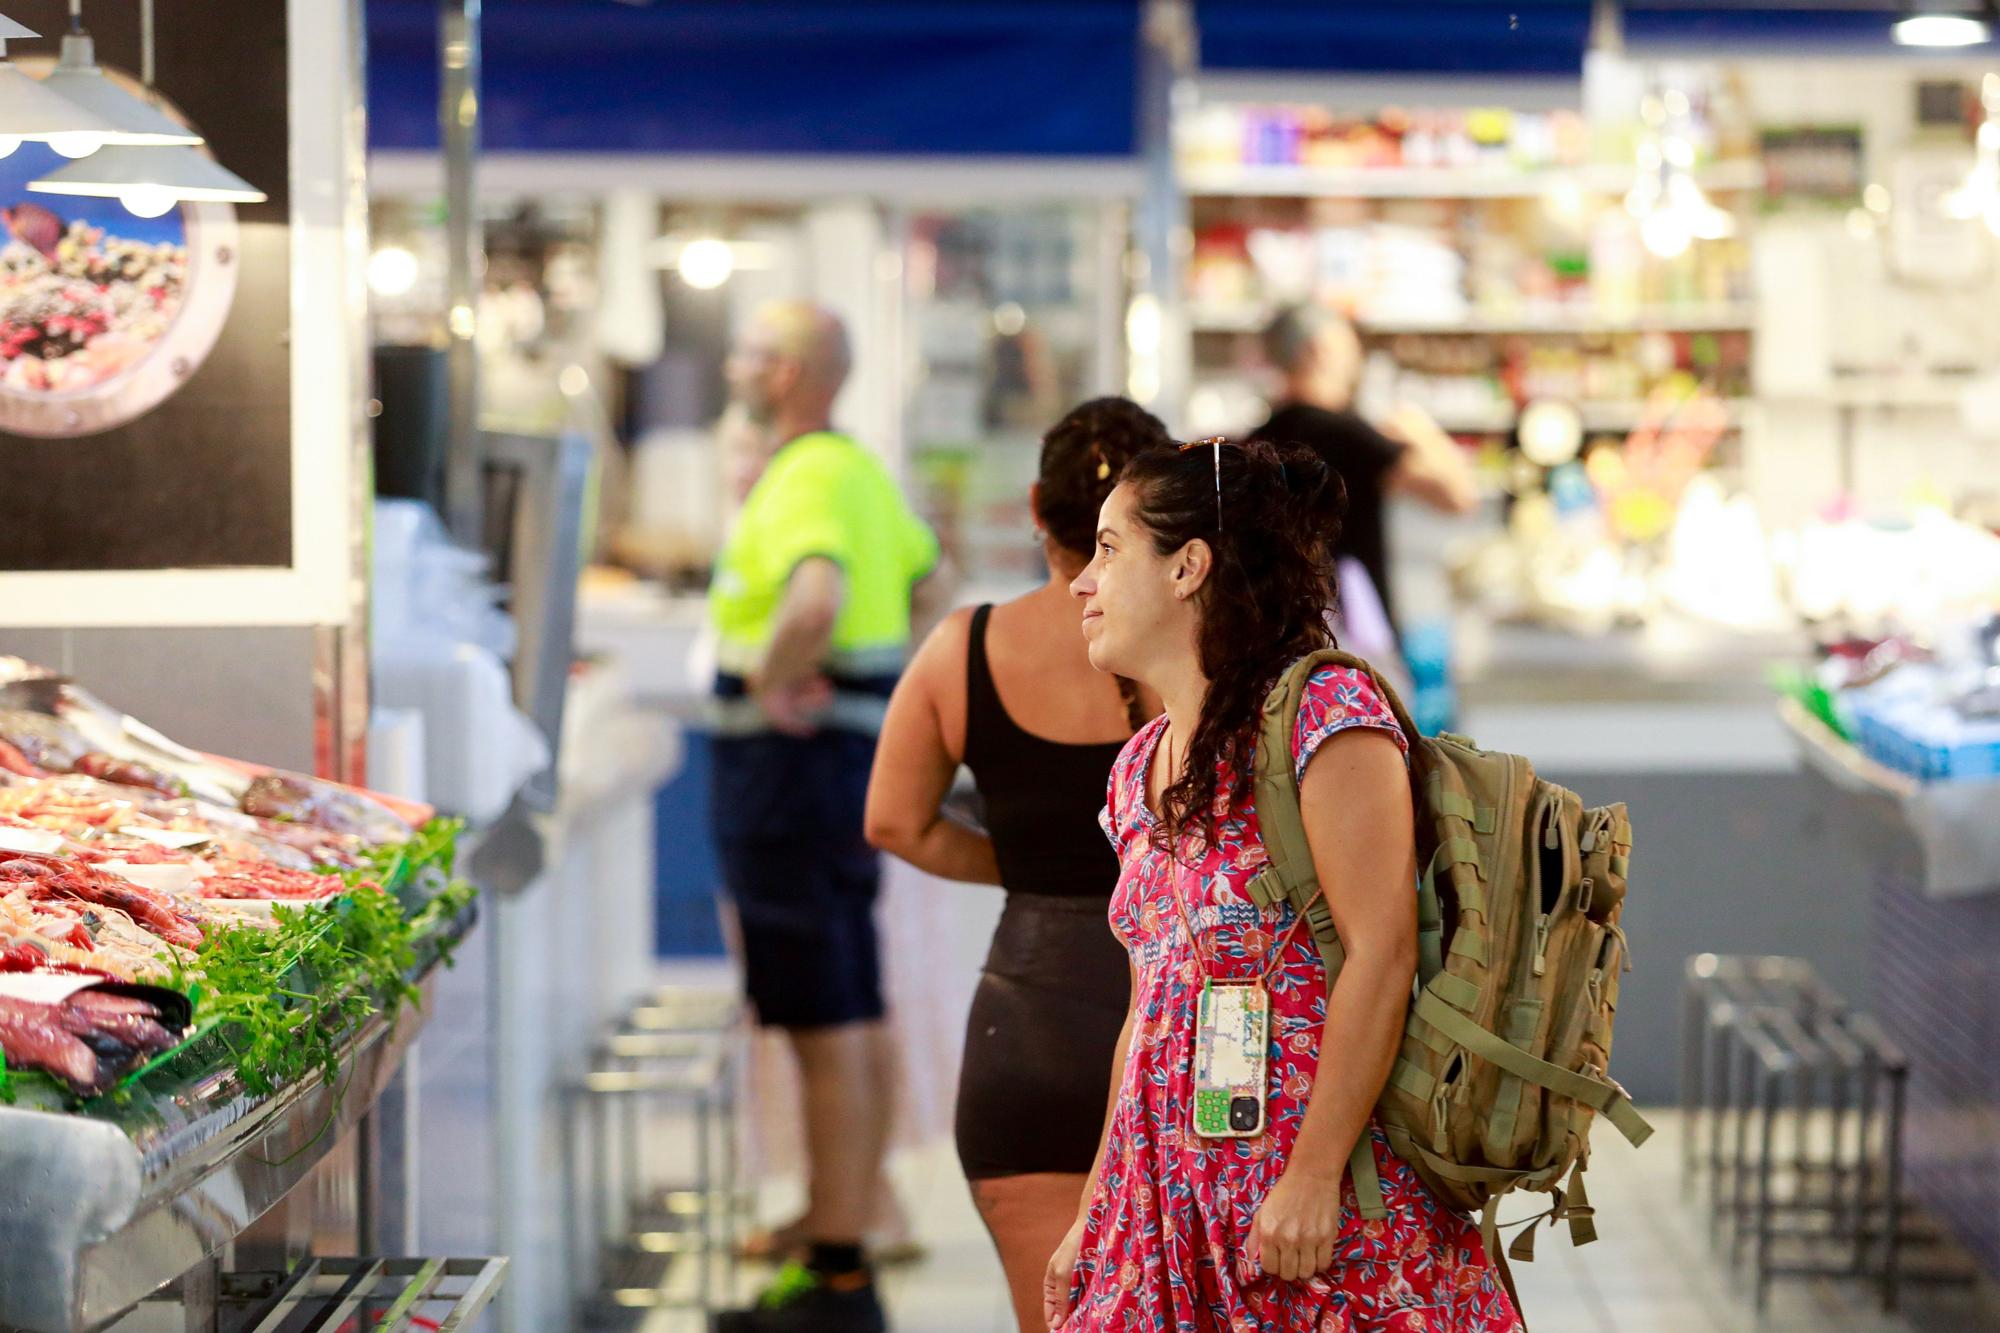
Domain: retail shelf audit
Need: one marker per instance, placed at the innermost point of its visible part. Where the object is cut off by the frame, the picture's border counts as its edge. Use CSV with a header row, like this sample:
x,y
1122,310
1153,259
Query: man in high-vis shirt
x,y
813,601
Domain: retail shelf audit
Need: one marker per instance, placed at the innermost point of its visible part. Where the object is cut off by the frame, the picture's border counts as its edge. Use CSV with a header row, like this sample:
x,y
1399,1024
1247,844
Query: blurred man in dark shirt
x,y
1319,355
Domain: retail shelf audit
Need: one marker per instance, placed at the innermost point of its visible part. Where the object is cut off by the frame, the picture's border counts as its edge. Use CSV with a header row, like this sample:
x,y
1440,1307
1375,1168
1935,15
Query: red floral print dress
x,y
1163,1248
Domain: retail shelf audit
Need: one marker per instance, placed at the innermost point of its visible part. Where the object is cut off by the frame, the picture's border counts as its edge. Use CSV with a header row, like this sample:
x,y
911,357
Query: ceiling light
x,y
31,110
392,271
152,177
150,181
706,263
1935,29
135,120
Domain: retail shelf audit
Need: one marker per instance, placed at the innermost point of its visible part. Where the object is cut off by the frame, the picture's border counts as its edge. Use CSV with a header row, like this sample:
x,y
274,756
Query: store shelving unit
x,y
1473,335
1251,317
1477,182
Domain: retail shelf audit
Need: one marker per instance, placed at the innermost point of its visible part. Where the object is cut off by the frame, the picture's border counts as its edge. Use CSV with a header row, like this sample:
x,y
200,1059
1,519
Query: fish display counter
x,y
209,972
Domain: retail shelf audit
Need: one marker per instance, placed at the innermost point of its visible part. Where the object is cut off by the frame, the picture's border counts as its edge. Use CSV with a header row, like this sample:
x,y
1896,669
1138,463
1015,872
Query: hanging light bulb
x,y
1935,26
78,77
150,163
29,109
148,201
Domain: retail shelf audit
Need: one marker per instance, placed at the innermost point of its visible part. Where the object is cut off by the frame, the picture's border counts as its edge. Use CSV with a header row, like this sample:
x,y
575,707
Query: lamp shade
x,y
150,180
29,109
134,119
9,30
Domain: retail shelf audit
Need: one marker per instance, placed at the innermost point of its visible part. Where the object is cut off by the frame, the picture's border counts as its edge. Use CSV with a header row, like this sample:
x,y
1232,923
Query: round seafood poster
x,y
103,313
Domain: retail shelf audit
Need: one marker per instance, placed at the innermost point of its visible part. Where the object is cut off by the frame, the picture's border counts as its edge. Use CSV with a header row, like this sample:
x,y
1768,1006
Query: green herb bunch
x,y
281,1001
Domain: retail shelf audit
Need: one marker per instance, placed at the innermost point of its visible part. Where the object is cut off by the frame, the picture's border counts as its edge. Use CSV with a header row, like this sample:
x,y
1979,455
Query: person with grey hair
x,y
1318,354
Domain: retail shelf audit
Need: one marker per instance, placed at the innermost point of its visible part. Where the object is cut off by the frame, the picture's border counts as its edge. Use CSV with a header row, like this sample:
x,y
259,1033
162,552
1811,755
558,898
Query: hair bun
x,y
1310,484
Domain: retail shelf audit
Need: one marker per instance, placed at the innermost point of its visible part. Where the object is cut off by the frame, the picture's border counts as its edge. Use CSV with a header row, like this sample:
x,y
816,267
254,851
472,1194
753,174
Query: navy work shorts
x,y
807,910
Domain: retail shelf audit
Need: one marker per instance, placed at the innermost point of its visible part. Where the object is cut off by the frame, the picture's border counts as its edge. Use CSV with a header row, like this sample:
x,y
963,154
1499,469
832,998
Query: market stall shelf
x,y
101,1210
1280,181
212,971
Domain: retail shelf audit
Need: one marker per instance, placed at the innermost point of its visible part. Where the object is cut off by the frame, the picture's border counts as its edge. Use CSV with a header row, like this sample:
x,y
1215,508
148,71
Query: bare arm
x,y
804,629
1355,800
1433,469
915,761
788,686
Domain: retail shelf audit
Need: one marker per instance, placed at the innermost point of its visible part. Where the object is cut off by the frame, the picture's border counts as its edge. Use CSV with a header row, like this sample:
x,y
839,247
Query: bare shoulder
x,y
941,658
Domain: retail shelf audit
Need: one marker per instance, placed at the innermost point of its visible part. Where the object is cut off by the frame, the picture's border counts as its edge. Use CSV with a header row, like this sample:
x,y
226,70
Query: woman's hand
x,y
1293,1235
1056,1281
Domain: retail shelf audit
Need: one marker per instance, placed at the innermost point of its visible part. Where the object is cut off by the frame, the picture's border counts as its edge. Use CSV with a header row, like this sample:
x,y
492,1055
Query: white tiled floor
x,y
1652,1271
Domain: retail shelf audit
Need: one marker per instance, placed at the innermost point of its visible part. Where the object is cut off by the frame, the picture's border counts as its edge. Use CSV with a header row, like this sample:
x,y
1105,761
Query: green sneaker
x,y
802,1301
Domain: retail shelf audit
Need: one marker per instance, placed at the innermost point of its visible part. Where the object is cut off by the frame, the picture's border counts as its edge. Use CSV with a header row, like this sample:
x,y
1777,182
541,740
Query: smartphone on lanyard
x,y
1232,1043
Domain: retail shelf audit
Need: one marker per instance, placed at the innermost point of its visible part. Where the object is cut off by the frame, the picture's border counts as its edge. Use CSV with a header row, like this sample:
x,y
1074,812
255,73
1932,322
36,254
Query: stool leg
x,y
1739,1210
705,1183
1892,1217
1837,1168
1766,1135
1802,1157
1694,1020
1864,1173
1719,1085
634,1192
732,1183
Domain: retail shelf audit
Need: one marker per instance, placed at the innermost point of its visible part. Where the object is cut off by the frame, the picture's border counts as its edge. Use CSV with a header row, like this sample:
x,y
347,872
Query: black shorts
x,y
807,909
1040,1040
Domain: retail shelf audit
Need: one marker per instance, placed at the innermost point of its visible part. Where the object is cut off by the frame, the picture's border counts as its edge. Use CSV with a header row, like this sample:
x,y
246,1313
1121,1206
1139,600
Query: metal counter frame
x,y
101,1210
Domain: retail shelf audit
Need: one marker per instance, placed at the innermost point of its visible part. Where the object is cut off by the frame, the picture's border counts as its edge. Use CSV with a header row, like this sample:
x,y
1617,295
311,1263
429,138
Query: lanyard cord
x,y
1273,959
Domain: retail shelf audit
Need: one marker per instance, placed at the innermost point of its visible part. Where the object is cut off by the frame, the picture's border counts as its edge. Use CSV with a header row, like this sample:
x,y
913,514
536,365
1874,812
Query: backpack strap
x,y
1600,1095
1291,877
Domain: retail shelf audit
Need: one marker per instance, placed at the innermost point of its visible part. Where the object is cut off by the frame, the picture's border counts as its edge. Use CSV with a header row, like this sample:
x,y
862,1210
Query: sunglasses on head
x,y
1214,445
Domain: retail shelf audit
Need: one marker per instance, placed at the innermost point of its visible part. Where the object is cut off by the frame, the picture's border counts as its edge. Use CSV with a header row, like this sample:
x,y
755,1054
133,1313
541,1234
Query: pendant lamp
x,y
77,76
29,109
150,179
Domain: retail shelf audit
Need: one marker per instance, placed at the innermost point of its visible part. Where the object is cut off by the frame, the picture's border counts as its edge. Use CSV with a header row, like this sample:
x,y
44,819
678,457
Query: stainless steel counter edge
x,y
93,1221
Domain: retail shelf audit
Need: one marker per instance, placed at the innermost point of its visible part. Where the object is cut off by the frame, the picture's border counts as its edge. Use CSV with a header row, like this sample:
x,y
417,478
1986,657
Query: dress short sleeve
x,y
1338,699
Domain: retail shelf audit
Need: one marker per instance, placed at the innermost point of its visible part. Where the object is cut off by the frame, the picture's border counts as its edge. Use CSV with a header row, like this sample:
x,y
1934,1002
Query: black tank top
x,y
1041,796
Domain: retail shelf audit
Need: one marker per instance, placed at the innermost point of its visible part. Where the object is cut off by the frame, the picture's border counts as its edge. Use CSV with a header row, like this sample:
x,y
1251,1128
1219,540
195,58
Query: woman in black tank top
x,y
1042,1036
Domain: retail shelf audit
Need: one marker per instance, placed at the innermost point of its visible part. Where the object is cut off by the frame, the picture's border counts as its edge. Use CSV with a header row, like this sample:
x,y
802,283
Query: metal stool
x,y
1763,1035
641,1065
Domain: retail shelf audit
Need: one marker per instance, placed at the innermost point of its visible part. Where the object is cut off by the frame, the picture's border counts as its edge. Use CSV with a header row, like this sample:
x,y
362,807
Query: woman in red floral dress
x,y
1211,576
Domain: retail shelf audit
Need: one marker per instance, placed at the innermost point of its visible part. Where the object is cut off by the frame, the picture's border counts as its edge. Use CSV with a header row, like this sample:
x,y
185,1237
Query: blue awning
x,y
1529,38
1040,78
1518,38
1799,29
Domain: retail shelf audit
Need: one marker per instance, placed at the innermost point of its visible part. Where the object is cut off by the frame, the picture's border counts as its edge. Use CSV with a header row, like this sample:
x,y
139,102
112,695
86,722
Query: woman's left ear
x,y
1192,572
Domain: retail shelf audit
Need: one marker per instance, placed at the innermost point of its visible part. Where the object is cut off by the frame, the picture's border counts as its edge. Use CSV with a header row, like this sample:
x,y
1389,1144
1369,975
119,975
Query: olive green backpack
x,y
1502,1067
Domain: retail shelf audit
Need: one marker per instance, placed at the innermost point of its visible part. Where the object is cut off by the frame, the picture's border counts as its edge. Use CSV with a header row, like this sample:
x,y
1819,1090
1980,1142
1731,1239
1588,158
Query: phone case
x,y
1232,1043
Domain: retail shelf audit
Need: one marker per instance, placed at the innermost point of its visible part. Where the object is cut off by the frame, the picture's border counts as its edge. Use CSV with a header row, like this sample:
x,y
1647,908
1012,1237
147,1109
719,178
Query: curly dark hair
x,y
1263,606
1082,456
